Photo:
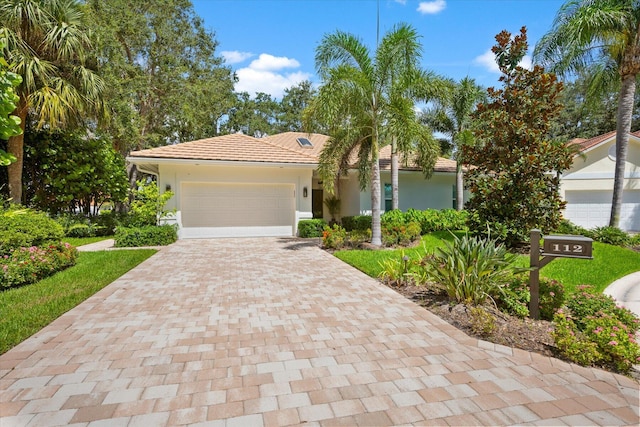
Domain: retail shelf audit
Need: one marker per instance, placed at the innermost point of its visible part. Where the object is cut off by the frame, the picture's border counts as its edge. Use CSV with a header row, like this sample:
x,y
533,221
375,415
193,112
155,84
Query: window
x,y
388,197
304,142
455,196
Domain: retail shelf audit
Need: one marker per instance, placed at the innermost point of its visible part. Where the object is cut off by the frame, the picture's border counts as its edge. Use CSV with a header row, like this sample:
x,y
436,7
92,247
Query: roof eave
x,y
167,161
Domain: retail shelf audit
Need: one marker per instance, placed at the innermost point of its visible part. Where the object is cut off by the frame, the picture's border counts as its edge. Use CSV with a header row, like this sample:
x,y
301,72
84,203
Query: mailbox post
x,y
555,246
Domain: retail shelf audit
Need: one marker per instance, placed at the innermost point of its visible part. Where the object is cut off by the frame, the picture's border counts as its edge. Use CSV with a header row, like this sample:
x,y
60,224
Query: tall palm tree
x,y
452,116
603,38
361,94
47,45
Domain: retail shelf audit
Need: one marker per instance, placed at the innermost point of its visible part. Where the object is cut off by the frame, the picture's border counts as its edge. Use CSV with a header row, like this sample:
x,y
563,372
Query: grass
x,y
609,262
79,241
28,309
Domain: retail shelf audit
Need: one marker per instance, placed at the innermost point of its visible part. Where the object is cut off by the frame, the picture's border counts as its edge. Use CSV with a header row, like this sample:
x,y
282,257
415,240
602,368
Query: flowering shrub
x,y
400,234
334,237
588,302
571,342
517,296
28,265
616,342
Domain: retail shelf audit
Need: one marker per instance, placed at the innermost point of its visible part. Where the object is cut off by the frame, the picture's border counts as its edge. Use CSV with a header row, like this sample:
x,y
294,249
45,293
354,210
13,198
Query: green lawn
x,y
28,309
608,264
79,241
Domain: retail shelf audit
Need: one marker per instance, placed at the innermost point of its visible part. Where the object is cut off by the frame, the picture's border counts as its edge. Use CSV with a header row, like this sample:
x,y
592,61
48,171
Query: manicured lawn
x,y
609,263
79,241
28,309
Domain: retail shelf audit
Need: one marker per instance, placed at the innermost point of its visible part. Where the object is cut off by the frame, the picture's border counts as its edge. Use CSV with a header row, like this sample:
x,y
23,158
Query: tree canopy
x,y
9,124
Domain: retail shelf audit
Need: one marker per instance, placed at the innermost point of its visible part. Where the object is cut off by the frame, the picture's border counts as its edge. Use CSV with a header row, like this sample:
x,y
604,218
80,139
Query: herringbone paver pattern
x,y
252,332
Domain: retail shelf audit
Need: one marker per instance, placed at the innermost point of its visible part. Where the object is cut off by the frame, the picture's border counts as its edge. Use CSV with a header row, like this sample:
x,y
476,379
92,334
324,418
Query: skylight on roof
x,y
304,142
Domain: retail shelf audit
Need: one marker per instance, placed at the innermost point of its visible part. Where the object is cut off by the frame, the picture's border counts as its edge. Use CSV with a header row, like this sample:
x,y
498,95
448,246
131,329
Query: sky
x,y
270,44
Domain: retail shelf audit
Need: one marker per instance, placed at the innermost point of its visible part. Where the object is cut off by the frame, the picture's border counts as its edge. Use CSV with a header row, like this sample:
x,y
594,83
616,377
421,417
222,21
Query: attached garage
x,y
591,209
237,209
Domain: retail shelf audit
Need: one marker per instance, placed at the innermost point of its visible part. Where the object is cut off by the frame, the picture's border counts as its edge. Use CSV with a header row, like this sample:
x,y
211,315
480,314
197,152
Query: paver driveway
x,y
276,332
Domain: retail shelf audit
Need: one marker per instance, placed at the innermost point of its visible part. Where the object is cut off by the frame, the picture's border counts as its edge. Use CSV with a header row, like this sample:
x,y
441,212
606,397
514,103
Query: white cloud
x,y
431,7
488,61
268,62
264,75
234,56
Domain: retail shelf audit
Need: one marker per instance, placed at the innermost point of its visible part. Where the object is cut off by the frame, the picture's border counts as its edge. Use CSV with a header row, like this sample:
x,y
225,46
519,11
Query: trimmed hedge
x,y
29,265
24,228
311,227
150,235
357,222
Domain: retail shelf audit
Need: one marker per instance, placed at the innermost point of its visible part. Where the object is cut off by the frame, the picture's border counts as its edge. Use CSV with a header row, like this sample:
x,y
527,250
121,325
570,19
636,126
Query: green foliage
x,y
588,302
26,228
334,237
431,220
396,230
148,204
483,323
616,341
567,227
146,235
9,124
333,206
357,222
572,343
28,309
515,179
29,265
471,269
516,297
72,172
609,235
311,227
400,270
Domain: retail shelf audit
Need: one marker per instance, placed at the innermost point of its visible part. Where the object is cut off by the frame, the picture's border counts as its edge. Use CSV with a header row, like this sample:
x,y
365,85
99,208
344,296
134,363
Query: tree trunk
x,y
376,232
15,146
459,186
625,111
395,203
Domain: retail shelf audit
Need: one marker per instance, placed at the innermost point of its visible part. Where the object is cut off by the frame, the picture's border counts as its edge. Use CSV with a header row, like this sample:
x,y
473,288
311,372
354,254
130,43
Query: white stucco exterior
x,y
588,186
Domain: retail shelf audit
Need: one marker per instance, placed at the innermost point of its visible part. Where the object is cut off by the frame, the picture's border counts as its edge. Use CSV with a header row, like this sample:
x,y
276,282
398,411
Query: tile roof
x,y
280,148
585,144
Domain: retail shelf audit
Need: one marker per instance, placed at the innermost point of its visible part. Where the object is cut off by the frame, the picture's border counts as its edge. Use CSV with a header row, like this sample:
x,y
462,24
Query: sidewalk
x,y
627,292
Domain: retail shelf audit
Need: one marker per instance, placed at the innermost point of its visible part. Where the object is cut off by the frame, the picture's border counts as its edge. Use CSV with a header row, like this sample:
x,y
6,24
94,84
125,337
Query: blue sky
x,y
271,43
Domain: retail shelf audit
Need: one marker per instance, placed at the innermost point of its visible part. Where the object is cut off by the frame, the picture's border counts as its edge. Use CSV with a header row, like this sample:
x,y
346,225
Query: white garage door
x,y
237,210
591,209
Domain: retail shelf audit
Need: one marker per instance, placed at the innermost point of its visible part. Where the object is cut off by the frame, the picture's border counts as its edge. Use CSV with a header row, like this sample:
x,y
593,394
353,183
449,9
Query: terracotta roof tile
x,y
585,144
280,148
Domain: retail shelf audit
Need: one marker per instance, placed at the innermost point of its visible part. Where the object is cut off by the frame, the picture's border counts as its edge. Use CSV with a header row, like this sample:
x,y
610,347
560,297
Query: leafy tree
x,y
252,116
165,82
46,44
452,116
601,37
357,98
292,105
71,172
9,124
515,180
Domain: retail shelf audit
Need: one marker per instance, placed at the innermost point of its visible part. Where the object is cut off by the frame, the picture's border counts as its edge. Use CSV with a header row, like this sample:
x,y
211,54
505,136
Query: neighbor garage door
x,y
237,210
592,209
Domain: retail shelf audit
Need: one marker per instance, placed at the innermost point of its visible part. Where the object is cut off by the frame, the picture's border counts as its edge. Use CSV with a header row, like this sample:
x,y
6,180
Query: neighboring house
x,y
237,185
588,185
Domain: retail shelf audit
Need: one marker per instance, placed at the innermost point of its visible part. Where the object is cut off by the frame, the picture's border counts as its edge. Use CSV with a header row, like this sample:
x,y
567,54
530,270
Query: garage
x,y
236,209
591,209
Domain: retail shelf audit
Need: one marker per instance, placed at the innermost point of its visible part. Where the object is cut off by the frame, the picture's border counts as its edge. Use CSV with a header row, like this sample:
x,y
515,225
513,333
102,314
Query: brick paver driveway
x,y
251,332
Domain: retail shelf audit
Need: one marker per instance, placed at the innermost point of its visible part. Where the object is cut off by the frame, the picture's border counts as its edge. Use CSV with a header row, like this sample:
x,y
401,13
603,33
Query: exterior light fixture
x,y
305,192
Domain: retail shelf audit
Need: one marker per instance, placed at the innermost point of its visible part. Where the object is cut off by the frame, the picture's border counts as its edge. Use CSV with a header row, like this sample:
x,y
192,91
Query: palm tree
x,y
47,46
603,38
360,94
452,116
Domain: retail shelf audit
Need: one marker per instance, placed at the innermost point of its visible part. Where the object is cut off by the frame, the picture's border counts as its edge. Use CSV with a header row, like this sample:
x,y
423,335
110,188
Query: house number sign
x,y
558,246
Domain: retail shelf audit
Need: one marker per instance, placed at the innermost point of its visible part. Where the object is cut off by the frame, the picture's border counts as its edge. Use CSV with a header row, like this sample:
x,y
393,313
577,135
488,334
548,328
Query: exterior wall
x,y
414,192
173,175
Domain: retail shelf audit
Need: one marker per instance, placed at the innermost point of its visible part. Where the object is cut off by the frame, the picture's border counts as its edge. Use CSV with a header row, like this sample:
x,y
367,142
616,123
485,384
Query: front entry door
x,y
317,205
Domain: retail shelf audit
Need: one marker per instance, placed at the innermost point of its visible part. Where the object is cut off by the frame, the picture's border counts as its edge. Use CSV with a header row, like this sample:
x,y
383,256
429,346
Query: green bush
x,y
572,343
311,227
29,265
26,228
334,237
400,270
148,204
610,235
357,222
516,297
586,302
471,269
567,227
400,234
432,220
357,238
150,235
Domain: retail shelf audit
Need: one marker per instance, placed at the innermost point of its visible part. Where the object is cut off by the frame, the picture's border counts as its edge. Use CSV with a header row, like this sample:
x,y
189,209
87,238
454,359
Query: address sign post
x,y
555,246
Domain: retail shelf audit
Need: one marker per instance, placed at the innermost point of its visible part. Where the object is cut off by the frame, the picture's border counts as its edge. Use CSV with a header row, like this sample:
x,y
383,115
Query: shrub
x,y
311,227
148,204
357,238
516,297
26,228
398,270
587,302
400,234
483,323
431,220
567,227
334,237
610,235
571,342
471,269
78,226
358,222
616,343
29,265
150,235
